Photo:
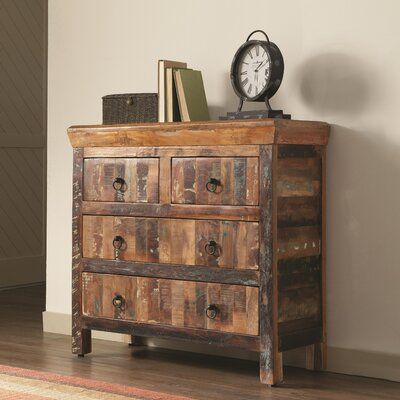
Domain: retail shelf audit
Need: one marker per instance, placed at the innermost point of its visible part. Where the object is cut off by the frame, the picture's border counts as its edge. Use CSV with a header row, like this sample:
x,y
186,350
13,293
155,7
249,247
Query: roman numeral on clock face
x,y
253,71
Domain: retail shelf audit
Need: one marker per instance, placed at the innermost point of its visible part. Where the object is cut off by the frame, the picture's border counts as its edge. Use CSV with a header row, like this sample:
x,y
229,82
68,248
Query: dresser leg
x,y
316,357
271,375
137,341
82,342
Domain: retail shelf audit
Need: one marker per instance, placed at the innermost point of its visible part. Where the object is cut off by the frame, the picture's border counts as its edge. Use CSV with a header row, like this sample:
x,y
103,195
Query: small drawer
x,y
216,180
215,306
224,244
130,180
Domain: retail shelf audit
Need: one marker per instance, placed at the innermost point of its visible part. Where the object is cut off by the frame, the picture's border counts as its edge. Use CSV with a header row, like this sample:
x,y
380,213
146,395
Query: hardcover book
x,y
191,95
162,66
171,98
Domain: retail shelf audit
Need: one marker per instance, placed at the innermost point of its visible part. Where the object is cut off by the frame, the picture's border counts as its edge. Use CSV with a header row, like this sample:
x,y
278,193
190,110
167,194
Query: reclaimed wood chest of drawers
x,y
208,232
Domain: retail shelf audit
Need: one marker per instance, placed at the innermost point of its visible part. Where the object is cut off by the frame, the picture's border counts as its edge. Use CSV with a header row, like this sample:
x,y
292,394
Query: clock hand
x,y
257,62
262,62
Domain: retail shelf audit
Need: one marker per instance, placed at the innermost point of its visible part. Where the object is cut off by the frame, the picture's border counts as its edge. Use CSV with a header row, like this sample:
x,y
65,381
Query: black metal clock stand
x,y
255,114
276,68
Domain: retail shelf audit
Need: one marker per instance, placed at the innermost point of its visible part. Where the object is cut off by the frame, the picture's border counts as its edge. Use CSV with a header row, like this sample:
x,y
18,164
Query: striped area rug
x,y
19,383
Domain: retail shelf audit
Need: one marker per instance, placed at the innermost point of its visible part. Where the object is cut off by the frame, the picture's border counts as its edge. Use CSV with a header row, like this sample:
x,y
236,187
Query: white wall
x,y
342,66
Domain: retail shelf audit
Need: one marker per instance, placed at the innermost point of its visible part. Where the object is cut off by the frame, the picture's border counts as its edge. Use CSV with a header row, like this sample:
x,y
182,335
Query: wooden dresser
x,y
208,232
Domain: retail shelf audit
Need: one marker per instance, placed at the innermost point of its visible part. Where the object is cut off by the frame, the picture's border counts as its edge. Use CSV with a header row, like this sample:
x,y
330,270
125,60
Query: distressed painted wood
x,y
176,241
173,151
238,179
140,176
171,302
193,335
183,211
270,359
321,359
302,302
304,338
165,180
213,133
265,222
301,269
299,177
299,241
298,325
315,355
173,271
295,273
299,211
300,150
81,338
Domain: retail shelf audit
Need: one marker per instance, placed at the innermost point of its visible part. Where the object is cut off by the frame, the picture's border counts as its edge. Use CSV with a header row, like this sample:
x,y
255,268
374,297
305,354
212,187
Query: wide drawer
x,y
216,180
225,244
228,308
131,180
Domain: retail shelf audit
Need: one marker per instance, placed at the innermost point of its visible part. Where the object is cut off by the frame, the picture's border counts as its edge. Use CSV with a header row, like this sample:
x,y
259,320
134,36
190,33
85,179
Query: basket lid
x,y
122,95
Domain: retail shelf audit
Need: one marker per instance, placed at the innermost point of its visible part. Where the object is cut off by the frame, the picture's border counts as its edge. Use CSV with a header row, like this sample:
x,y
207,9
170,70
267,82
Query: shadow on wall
x,y
362,253
362,227
335,83
363,168
329,84
230,100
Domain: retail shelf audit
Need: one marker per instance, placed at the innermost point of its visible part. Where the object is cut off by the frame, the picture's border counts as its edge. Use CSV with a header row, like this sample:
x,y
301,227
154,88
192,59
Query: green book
x,y
191,95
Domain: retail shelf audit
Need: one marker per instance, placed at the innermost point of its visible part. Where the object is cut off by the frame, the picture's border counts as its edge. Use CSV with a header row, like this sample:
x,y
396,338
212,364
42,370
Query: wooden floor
x,y
23,344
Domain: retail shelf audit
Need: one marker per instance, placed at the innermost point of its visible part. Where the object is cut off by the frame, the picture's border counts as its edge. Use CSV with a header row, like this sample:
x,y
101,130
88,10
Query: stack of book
x,y
181,94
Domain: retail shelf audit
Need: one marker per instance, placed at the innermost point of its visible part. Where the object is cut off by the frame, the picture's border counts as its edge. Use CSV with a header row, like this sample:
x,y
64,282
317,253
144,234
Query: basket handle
x,y
258,30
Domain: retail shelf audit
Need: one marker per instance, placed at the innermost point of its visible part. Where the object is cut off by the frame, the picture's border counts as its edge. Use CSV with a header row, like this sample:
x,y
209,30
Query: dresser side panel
x,y
300,276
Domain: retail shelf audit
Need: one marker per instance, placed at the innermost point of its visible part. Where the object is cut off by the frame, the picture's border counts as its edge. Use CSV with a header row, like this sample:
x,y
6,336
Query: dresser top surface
x,y
209,133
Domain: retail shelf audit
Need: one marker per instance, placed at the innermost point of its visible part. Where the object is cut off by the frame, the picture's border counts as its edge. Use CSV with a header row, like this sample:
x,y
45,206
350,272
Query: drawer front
x,y
131,180
225,244
220,181
228,308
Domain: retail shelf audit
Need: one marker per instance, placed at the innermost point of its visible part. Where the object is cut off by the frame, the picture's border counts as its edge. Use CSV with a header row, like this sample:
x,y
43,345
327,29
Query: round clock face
x,y
253,70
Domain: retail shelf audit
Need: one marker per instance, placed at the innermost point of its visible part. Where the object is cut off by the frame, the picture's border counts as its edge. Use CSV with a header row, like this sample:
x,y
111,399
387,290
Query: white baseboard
x,y
344,361
22,271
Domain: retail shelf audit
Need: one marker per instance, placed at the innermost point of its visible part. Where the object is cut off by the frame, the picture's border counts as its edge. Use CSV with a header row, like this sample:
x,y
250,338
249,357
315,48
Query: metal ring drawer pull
x,y
118,241
211,311
118,301
212,185
119,184
212,248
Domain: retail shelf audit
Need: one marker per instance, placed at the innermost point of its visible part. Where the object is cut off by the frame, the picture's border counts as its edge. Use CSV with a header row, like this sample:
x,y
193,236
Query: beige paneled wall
x,y
342,65
22,140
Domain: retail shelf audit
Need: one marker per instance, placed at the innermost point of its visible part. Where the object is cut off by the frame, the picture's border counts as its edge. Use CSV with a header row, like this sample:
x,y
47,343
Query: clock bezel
x,y
276,71
235,76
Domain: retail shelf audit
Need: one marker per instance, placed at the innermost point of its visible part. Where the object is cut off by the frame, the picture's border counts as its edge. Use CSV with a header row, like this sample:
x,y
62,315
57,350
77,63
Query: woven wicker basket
x,y
130,107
